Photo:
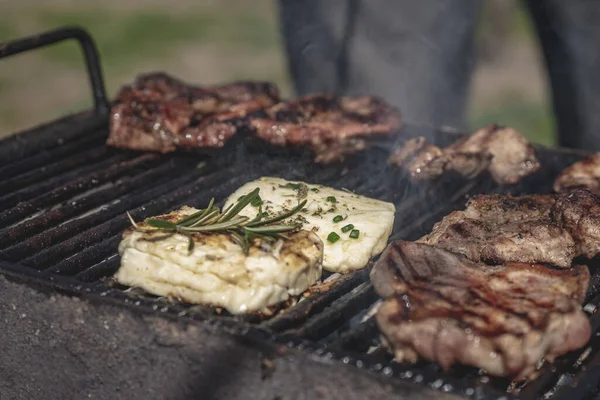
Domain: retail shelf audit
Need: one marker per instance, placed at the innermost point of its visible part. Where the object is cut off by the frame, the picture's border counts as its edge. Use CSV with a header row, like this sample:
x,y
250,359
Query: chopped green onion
x,y
315,190
347,228
354,234
333,237
332,199
338,218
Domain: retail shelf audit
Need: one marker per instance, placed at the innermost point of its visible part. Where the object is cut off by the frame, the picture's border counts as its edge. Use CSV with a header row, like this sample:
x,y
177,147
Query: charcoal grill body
x,y
69,333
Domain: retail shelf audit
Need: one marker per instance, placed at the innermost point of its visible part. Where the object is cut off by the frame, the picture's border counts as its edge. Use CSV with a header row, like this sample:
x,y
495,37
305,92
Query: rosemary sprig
x,y
240,228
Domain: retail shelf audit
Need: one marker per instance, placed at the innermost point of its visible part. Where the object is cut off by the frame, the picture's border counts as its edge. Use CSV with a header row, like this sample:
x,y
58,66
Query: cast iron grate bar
x,y
65,192
49,136
44,158
72,209
315,303
55,235
41,173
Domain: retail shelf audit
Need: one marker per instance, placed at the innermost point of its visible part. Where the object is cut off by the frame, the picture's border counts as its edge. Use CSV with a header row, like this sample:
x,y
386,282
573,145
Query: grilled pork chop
x,y
582,174
444,308
330,127
506,154
160,113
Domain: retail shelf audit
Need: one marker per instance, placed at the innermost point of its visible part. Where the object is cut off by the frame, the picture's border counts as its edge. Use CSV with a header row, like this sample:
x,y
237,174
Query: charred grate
x,y
64,197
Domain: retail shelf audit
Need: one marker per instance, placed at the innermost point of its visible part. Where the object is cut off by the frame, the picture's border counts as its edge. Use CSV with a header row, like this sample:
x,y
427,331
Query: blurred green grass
x,y
130,37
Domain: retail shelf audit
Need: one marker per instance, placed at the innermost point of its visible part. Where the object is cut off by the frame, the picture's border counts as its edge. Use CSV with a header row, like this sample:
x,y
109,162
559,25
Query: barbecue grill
x,y
69,330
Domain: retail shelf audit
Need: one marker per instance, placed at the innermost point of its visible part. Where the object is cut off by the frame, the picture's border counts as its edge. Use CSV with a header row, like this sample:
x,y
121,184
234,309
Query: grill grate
x,y
64,196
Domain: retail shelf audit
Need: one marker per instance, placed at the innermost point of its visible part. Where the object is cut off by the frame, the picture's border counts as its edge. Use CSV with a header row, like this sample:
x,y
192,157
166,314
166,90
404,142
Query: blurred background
x,y
213,41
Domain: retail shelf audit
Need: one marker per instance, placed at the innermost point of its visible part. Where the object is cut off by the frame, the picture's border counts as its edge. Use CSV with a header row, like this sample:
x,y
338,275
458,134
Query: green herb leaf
x,y
161,224
232,223
290,185
240,205
279,217
315,190
354,234
190,243
271,228
347,228
257,202
331,199
333,237
241,229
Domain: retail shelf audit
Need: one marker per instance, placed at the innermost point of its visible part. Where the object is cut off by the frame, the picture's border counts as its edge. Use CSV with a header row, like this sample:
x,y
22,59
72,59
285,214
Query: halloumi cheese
x,y
372,219
217,272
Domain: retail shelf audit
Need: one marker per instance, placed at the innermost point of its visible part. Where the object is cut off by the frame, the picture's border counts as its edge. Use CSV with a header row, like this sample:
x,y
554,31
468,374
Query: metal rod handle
x,y
90,52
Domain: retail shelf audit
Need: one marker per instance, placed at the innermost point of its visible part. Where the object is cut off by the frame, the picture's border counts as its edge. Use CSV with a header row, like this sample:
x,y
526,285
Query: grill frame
x,y
306,326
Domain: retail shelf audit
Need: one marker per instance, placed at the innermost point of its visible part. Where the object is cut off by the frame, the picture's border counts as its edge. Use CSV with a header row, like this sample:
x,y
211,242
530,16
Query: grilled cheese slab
x,y
217,271
353,228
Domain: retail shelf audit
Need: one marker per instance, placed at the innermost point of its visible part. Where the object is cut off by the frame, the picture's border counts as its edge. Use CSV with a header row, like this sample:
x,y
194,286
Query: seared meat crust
x,y
582,174
447,309
506,154
330,127
500,228
160,113
550,229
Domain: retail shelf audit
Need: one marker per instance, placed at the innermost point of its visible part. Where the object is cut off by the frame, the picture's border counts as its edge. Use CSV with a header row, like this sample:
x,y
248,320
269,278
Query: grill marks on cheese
x,y
217,272
373,218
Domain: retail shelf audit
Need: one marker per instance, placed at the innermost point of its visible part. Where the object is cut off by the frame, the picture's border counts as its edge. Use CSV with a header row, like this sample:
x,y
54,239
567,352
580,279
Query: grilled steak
x,y
444,308
500,228
330,127
503,152
585,173
552,229
160,113
579,213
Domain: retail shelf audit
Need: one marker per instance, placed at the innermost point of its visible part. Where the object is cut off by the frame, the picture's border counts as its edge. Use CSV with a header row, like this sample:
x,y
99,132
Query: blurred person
x,y
419,55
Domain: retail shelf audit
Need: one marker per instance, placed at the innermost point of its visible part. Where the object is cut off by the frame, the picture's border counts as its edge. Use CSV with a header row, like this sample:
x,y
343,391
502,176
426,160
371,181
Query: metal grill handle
x,y
88,46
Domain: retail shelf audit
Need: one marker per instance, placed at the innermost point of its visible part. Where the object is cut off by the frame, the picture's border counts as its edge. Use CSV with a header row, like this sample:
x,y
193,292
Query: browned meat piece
x,y
579,213
552,229
422,160
500,228
582,174
161,113
330,127
443,308
506,154
512,156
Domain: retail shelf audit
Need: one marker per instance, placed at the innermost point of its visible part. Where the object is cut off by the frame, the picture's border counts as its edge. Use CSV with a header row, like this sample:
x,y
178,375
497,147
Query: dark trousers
x,y
419,55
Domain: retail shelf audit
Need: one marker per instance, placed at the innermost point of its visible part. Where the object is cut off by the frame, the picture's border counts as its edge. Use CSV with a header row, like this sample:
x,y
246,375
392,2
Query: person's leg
x,y
312,36
418,55
569,32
